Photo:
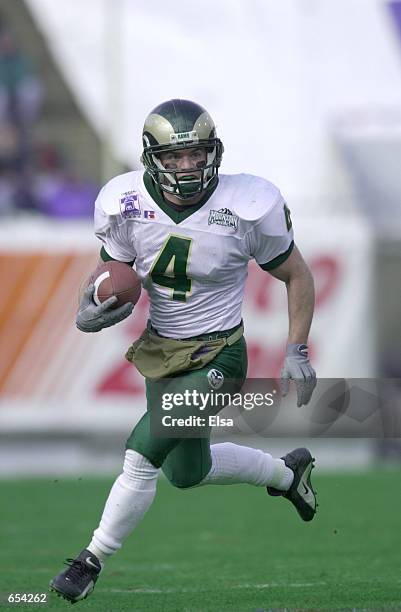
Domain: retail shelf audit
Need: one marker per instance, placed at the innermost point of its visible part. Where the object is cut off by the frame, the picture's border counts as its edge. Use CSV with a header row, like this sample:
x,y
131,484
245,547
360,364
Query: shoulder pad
x,y
252,196
118,187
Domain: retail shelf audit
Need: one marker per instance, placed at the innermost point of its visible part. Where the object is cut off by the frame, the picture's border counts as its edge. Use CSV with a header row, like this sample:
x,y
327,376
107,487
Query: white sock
x,y
129,499
234,464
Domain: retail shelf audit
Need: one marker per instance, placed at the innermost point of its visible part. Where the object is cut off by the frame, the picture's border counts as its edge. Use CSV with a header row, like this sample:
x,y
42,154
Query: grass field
x,y
213,549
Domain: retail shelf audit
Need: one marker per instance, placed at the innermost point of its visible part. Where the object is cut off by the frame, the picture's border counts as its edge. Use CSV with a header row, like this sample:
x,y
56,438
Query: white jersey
x,y
194,265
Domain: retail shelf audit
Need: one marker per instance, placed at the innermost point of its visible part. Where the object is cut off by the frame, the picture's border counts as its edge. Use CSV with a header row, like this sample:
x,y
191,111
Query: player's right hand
x,y
93,318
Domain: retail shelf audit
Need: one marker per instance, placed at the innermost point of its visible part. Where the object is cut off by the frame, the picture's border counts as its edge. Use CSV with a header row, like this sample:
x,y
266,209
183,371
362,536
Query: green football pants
x,y
186,461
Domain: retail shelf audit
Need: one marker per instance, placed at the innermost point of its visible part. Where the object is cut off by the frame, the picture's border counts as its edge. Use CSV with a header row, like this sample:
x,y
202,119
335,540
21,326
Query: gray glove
x,y
298,368
93,318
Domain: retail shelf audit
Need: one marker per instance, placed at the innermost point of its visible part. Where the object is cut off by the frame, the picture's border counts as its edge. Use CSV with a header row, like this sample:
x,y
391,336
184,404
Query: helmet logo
x,y
184,137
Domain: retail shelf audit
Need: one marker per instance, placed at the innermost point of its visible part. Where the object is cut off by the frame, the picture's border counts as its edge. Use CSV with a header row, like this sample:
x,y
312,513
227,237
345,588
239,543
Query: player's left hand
x,y
297,367
93,318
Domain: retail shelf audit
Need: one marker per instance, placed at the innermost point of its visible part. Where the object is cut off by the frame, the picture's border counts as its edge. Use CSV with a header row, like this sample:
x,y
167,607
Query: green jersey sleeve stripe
x,y
277,261
106,257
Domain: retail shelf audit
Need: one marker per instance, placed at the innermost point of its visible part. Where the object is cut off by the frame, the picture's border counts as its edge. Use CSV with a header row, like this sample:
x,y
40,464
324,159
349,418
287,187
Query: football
x,y
115,278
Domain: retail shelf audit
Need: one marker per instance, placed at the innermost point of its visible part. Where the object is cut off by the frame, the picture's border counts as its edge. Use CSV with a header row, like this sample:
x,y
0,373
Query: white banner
x,y
52,375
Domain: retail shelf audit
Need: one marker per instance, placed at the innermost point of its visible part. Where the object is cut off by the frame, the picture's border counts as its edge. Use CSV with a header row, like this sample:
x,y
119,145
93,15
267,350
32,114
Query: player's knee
x,y
151,453
145,445
183,479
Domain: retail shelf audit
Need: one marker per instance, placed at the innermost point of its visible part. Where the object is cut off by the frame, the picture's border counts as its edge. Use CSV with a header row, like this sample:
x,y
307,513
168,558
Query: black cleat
x,y
301,492
78,581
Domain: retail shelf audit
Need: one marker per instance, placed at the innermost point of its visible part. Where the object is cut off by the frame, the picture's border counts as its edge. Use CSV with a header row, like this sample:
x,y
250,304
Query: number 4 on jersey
x,y
170,267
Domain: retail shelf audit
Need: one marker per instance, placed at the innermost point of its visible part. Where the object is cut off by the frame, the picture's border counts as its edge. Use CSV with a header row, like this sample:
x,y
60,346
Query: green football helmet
x,y
174,125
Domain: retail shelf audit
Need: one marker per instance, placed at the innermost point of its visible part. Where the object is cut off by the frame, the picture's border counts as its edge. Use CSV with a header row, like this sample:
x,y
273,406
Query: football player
x,y
190,233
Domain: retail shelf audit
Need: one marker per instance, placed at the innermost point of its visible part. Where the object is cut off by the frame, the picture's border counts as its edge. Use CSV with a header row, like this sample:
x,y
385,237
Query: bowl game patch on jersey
x,y
129,206
223,216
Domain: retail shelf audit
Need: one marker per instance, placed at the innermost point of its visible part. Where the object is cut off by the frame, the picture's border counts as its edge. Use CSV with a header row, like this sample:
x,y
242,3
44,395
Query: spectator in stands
x,y
34,181
20,87
10,155
20,97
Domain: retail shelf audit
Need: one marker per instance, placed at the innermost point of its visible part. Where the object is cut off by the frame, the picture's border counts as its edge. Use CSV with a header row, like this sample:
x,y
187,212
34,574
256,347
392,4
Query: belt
x,y
209,336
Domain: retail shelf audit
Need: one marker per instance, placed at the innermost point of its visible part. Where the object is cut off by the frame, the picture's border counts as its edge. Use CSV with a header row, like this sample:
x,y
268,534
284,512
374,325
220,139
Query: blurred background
x,y
300,96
